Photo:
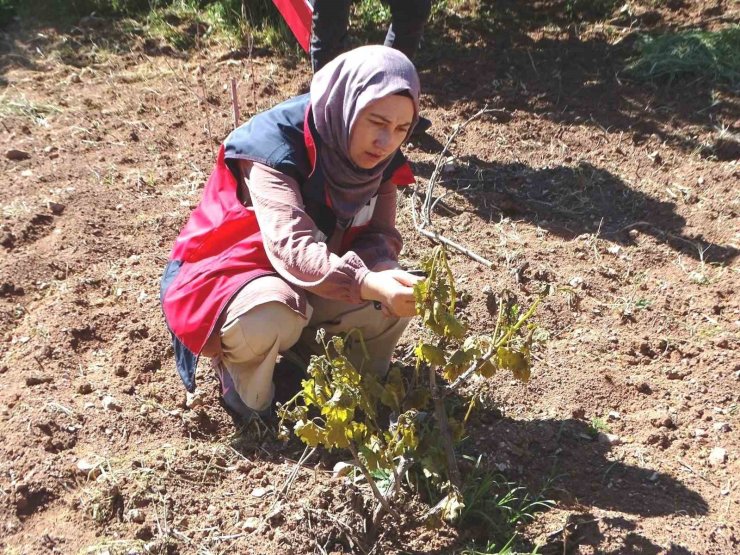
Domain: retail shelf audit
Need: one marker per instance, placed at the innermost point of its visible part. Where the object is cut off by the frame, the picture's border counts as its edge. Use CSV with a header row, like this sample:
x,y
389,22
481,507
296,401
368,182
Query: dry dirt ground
x,y
622,195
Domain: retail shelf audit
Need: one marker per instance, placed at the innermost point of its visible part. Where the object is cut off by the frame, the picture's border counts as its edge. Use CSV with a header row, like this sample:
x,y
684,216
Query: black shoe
x,y
422,126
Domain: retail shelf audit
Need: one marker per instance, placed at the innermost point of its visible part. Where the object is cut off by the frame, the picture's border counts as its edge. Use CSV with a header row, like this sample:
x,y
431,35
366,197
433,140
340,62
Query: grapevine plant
x,y
390,424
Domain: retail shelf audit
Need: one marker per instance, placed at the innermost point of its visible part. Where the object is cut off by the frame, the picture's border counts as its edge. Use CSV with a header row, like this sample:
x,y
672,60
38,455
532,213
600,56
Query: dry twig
x,y
423,219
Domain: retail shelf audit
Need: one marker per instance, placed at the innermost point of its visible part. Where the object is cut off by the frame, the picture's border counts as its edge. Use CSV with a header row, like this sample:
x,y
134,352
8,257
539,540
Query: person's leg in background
x,y
329,31
408,18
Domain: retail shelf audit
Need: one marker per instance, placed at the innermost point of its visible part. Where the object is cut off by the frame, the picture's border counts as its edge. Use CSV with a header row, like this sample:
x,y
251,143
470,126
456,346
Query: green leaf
x,y
451,506
338,343
439,311
357,432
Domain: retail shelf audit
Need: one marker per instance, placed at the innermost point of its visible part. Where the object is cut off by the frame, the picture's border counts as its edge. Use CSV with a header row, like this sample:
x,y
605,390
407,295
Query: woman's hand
x,y
393,289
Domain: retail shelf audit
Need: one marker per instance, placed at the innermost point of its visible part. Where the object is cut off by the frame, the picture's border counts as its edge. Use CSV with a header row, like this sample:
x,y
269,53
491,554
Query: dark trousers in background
x,y
331,20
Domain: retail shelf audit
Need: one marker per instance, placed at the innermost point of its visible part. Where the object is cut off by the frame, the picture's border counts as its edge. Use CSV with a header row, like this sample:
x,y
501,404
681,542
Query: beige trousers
x,y
251,340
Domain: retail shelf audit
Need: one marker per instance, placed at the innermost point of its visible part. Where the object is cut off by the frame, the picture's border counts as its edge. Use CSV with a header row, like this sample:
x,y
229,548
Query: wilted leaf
x,y
309,432
487,369
515,361
394,391
448,508
453,326
417,399
430,354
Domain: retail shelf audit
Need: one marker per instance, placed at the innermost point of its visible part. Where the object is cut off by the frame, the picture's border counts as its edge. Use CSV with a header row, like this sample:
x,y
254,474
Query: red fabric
x,y
349,237
403,176
221,249
297,14
308,140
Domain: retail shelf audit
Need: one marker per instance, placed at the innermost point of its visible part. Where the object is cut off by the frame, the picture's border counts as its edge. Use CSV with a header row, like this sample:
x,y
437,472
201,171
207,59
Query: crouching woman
x,y
296,232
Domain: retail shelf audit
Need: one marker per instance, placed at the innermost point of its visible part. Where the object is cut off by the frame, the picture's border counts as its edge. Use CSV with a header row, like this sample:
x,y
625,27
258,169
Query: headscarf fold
x,y
339,92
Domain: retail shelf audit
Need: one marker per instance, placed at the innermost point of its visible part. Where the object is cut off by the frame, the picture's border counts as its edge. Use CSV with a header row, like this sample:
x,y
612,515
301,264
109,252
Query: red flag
x,y
297,14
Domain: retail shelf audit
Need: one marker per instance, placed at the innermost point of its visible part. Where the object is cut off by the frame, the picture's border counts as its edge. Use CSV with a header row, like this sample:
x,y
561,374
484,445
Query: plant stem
x,y
444,429
373,486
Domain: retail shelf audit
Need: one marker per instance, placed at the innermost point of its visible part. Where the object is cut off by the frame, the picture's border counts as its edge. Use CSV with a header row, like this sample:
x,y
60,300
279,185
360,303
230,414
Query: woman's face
x,y
379,130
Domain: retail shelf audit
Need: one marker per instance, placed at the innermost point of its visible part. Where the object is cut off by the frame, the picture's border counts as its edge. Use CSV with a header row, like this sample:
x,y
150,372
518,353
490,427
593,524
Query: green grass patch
x,y
183,24
692,54
598,425
370,13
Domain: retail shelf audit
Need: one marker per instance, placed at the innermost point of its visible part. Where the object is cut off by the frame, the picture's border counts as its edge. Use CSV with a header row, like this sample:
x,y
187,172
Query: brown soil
x,y
621,195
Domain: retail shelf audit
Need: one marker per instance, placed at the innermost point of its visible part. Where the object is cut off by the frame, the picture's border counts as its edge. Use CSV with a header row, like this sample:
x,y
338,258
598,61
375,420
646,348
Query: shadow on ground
x,y
582,476
573,200
529,55
561,460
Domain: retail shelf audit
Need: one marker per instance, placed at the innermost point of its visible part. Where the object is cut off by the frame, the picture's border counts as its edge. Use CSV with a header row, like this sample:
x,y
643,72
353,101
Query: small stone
x,y
718,456
661,419
609,439
37,380
17,155
613,415
75,78
251,524
195,399
120,371
633,233
144,533
699,433
244,466
110,403
145,409
576,282
342,469
84,388
722,343
721,427
136,515
644,387
260,492
677,373
56,208
88,469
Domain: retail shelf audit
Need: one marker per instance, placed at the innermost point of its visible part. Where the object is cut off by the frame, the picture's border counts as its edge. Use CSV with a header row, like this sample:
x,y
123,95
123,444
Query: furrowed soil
x,y
621,195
